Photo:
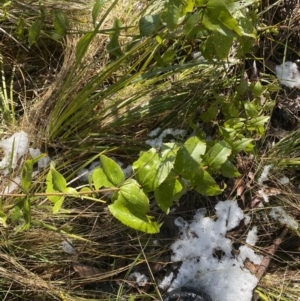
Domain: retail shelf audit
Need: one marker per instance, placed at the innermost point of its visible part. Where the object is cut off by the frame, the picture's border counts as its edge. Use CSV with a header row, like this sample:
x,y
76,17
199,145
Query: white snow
x,y
43,162
166,282
288,74
158,141
14,184
207,255
139,278
252,236
279,214
84,173
67,246
14,148
264,175
263,195
284,180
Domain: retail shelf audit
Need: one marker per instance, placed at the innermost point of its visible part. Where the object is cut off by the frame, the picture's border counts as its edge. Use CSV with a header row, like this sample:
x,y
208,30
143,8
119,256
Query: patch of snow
x,y
284,180
14,184
158,141
206,255
67,246
247,219
246,252
139,278
83,175
252,237
14,148
43,162
288,74
166,282
128,171
263,195
279,214
264,175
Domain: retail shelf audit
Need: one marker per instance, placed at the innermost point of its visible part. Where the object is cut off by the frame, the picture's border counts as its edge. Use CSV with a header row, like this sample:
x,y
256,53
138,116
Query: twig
x,y
43,194
271,251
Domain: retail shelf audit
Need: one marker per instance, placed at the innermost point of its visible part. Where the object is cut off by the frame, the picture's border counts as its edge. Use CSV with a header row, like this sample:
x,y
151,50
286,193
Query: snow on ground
x,y
14,148
158,141
288,74
207,256
43,162
279,214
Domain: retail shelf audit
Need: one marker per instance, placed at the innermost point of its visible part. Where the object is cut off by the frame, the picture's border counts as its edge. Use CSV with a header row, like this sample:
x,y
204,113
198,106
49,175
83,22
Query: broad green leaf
x,y
204,183
250,109
234,6
217,155
256,122
257,88
198,132
153,168
189,157
149,25
248,30
34,32
86,189
130,207
113,46
146,169
208,49
158,39
191,27
24,205
112,170
242,144
218,18
228,133
168,55
15,214
100,179
222,45
83,45
133,219
96,10
219,11
58,180
235,123
188,6
3,219
134,195
168,192
173,13
229,170
55,183
71,191
210,113
58,204
27,175
60,23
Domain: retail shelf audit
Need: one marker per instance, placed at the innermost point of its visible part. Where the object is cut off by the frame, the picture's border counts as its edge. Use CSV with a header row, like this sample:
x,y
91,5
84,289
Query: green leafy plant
x,y
166,172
